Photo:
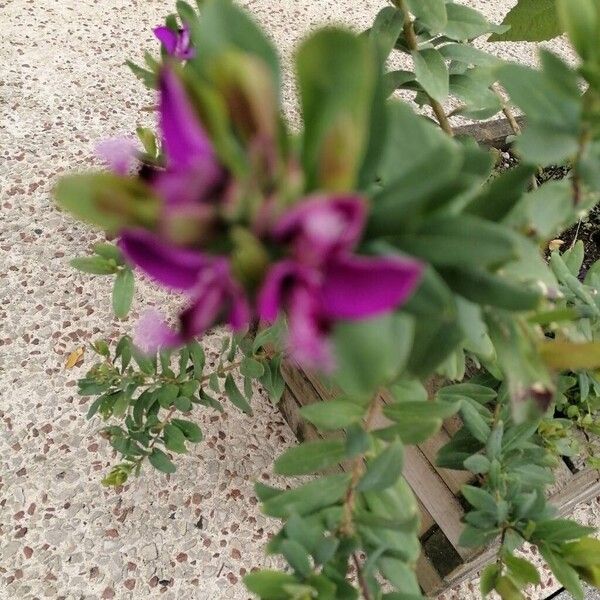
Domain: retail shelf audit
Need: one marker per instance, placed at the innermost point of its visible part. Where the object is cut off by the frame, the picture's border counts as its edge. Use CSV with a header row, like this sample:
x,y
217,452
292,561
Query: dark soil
x,y
588,230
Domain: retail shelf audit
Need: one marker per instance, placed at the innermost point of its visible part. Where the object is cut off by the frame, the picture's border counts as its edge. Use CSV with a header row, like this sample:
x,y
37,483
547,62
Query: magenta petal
x,y
216,296
118,153
168,38
202,313
321,226
173,267
152,333
356,287
239,315
308,343
184,47
186,143
283,277
185,187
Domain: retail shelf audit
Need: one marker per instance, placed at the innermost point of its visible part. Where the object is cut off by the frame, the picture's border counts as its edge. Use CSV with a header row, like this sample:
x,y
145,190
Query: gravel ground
x,y
62,535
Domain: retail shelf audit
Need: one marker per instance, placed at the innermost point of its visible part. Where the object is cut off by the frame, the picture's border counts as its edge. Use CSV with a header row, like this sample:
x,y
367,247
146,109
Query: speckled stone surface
x,y
62,535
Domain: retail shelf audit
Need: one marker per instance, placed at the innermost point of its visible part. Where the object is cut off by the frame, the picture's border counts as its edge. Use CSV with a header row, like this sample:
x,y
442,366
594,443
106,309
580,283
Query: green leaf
x,y
530,21
573,257
310,457
467,54
148,139
308,498
186,13
386,29
296,556
96,265
269,585
198,358
472,537
383,470
431,13
448,241
547,96
121,404
147,77
358,441
480,499
581,21
465,23
336,77
122,295
411,430
109,252
401,575
167,394
235,396
399,411
190,430
251,368
521,570
582,553
474,422
534,475
145,362
174,439
371,352
482,287
473,89
432,73
107,200
418,162
489,576
564,572
411,389
477,463
500,196
183,403
335,414
507,589
160,461
559,531
225,26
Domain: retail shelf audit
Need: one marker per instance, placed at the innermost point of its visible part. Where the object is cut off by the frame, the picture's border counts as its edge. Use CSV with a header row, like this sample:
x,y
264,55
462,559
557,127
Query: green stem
x,y
346,527
413,44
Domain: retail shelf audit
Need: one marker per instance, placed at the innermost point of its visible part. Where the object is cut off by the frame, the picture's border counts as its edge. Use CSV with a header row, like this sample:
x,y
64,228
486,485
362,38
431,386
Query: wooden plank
x,y
427,575
490,133
582,487
289,407
435,495
563,478
453,479
304,384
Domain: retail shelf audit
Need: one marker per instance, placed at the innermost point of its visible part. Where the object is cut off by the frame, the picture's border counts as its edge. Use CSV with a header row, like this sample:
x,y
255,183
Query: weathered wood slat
x,y
435,495
582,487
436,489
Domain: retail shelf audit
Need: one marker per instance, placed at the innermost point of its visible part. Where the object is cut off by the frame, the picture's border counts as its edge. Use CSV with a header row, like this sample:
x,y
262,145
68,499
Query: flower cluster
x,y
298,260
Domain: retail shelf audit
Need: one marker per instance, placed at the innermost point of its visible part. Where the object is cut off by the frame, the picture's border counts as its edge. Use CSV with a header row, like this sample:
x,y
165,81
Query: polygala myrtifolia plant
x,y
382,250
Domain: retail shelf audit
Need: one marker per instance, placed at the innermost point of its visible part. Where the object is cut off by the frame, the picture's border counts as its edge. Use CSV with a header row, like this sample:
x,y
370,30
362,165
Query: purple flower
x,y
214,295
176,43
192,169
119,153
321,226
325,282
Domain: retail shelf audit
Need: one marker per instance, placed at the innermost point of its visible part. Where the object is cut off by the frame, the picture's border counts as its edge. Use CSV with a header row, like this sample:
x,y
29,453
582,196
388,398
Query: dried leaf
x,y
74,357
555,245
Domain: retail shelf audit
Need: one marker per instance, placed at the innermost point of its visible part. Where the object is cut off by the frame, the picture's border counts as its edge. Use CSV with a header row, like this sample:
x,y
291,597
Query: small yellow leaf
x,y
555,245
74,357
560,355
